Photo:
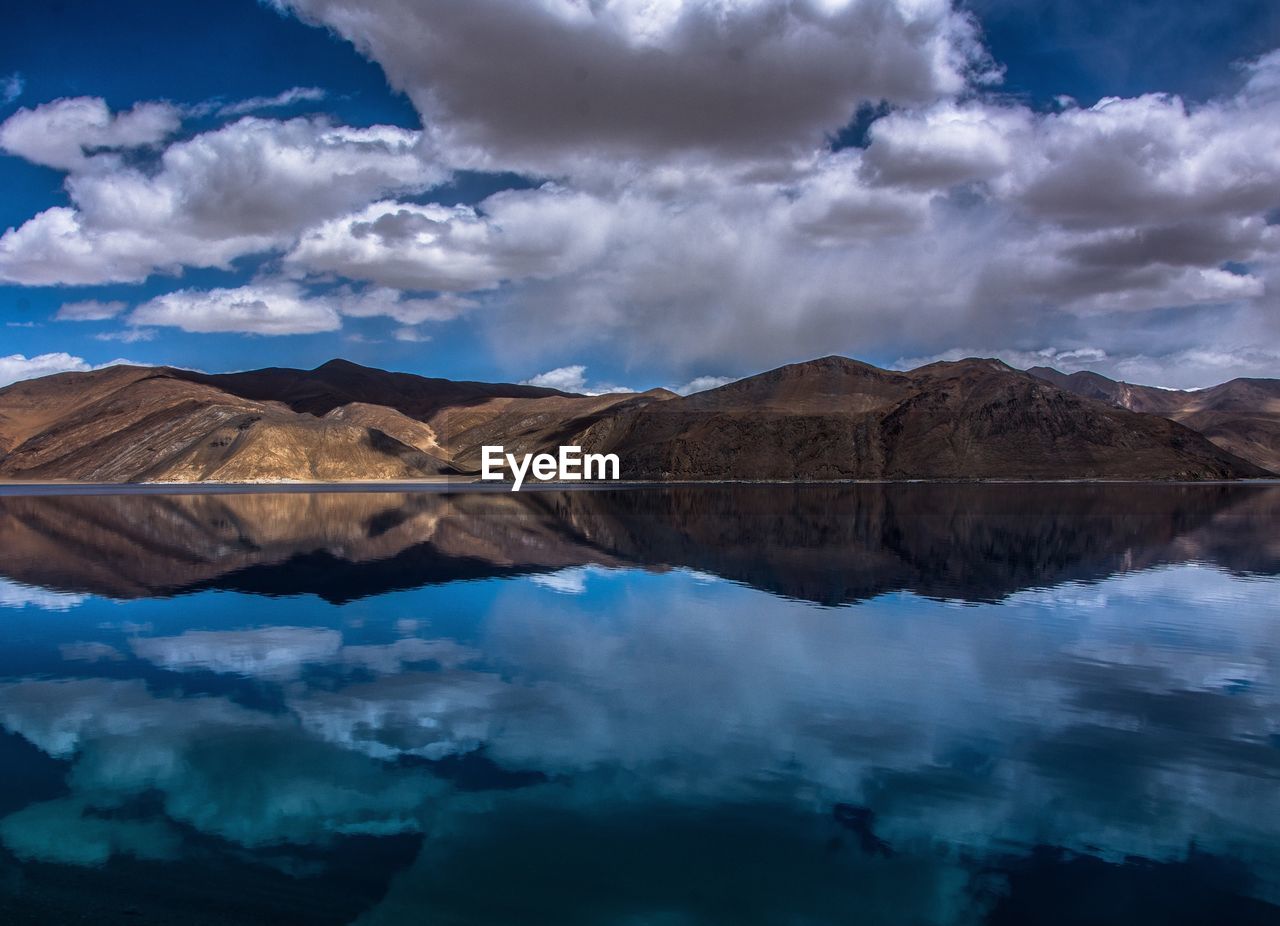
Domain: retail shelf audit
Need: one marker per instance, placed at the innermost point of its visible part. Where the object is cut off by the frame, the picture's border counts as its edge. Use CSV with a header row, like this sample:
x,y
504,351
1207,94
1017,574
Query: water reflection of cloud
x,y
72,831
571,581
282,653
1140,727
267,652
249,777
90,652
16,595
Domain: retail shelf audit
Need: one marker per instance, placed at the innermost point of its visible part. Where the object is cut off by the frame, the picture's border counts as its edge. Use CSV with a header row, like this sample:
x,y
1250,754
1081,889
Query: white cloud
x,y
90,310
256,308
408,310
410,335
572,379
248,187
280,307
431,247
701,384
568,379
945,145
18,367
59,134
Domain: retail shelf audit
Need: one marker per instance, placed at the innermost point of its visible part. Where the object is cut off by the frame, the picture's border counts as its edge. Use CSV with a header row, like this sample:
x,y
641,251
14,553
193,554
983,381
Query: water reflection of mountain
x,y
828,544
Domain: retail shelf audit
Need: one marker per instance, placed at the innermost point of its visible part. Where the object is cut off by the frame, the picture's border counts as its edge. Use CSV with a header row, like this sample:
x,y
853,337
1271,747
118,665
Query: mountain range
x,y
826,419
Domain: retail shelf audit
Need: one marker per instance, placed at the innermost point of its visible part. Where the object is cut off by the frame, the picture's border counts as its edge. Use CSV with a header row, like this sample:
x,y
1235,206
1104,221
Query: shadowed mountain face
x,y
831,418
827,544
1241,416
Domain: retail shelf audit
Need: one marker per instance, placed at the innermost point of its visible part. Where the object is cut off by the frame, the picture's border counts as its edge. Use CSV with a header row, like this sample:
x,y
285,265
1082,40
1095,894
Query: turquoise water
x,y
856,704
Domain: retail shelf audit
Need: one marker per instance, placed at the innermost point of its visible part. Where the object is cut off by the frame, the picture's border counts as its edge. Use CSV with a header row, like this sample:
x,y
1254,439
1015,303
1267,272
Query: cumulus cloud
x,y
17,367
62,134
701,384
279,307
248,187
270,309
569,379
572,378
549,85
543,233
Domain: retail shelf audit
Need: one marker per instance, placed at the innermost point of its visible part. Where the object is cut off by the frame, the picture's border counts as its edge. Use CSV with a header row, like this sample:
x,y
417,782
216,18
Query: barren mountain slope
x,y
1241,416
128,424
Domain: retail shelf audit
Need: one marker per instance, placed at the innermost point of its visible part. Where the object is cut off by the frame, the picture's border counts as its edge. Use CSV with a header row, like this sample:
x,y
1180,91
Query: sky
x,y
598,194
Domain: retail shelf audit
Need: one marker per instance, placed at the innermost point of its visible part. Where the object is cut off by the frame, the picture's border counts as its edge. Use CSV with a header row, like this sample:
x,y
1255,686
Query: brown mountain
x,y
144,424
831,418
1241,416
836,418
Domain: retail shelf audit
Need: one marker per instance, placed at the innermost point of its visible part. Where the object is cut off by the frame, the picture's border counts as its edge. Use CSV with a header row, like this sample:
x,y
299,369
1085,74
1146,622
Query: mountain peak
x,y
339,363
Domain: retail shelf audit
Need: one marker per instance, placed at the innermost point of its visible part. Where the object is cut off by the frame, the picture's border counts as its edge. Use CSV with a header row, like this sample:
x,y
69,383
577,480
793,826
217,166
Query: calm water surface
x,y
859,704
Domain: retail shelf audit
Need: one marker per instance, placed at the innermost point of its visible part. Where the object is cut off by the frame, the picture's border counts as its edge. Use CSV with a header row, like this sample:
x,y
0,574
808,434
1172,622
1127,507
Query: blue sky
x,y
637,194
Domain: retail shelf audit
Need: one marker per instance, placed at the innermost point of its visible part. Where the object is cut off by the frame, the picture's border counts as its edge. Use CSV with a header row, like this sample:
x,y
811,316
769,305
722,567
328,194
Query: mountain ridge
x,y
823,419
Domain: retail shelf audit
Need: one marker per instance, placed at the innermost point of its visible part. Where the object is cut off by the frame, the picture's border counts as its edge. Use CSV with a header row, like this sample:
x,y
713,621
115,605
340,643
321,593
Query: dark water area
x,y
870,704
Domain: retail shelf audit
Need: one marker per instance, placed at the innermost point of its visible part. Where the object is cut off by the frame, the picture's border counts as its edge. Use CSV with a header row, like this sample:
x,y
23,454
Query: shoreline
x,y
448,485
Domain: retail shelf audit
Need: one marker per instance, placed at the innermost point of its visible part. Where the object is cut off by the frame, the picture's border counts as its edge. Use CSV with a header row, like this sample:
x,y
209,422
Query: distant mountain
x,y
831,418
1241,416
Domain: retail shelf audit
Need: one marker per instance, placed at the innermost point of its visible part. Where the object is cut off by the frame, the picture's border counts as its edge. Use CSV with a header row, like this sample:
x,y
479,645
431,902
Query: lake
x,y
872,704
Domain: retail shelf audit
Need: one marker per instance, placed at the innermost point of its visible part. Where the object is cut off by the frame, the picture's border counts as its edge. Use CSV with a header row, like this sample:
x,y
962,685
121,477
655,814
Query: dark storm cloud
x,y
541,85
